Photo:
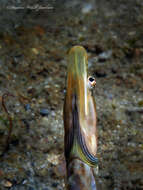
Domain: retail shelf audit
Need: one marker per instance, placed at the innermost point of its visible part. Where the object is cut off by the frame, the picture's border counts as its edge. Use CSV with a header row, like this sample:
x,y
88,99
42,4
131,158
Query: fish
x,y
80,119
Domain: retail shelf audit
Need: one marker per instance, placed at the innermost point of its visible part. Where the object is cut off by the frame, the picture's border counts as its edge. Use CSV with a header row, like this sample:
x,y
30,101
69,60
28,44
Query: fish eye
x,y
91,82
91,79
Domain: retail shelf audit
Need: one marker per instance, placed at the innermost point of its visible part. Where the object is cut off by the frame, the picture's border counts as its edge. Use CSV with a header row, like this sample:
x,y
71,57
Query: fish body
x,y
80,124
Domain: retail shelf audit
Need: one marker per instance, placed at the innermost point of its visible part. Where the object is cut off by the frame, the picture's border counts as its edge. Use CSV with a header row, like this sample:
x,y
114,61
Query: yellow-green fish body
x,y
79,124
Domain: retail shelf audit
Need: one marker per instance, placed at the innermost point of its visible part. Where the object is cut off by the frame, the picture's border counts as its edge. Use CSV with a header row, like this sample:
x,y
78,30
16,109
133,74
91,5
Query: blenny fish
x,y
80,124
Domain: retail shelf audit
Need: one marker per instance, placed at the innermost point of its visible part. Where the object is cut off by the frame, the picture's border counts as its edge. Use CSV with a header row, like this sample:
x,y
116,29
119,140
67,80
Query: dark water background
x,y
35,37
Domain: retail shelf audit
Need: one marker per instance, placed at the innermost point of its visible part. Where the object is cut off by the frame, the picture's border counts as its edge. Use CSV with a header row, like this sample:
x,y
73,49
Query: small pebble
x,y
35,51
55,184
87,8
40,101
7,184
53,113
105,55
44,112
27,107
24,181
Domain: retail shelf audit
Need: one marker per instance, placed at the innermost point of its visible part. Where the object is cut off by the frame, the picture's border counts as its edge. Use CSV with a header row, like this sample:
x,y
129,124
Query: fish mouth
x,y
78,61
